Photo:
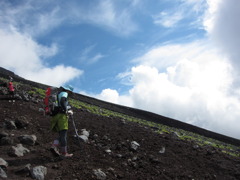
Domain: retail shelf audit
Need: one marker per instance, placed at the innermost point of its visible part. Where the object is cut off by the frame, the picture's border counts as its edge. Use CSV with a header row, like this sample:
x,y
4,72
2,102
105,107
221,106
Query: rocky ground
x,y
108,154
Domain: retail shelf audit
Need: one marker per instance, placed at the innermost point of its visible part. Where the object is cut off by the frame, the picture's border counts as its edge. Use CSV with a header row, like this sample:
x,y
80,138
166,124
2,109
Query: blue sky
x,y
177,58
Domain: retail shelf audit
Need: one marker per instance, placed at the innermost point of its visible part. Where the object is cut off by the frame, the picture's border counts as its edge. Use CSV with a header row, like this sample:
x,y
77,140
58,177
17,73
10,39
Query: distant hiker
x,y
11,87
59,122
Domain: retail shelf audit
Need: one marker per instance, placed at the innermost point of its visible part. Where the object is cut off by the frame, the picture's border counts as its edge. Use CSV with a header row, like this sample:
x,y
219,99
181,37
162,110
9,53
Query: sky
x,y
176,58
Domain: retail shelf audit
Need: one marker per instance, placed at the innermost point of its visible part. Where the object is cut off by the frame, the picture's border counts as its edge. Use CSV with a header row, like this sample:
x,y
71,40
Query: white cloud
x,y
55,76
86,56
47,15
168,55
106,14
111,95
167,20
40,22
223,26
190,82
18,51
195,91
182,11
21,54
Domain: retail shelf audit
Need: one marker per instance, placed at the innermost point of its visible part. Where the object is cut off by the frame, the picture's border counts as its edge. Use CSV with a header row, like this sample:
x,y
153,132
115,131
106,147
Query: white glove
x,y
70,112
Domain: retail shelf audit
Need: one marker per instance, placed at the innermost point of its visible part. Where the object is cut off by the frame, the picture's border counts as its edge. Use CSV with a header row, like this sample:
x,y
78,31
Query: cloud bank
x,y
192,82
21,53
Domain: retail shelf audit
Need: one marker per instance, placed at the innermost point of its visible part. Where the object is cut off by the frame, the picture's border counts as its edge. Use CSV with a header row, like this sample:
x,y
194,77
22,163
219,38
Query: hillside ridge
x,y
149,116
118,142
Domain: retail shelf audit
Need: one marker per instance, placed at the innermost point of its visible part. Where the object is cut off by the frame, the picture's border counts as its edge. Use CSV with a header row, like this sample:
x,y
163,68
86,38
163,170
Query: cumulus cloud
x,y
112,95
109,95
223,27
56,76
196,91
192,82
21,54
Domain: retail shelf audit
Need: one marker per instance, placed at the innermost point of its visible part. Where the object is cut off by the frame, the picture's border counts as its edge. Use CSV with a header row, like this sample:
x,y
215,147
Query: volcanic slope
x,y
163,152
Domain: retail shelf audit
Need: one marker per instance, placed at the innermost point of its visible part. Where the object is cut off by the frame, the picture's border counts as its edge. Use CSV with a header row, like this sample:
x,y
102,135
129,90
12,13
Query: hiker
x,y
11,87
59,122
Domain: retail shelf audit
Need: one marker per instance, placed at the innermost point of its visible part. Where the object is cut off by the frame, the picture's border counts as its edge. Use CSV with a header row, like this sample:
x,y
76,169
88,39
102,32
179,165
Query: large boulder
x,y
3,163
18,151
3,174
39,172
28,139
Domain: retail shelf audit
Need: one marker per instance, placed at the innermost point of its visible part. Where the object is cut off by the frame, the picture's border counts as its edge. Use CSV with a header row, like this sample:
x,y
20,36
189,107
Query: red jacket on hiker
x,y
10,87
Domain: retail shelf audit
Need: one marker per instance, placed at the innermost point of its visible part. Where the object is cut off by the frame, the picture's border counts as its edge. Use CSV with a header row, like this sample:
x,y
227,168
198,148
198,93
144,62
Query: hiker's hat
x,y
68,88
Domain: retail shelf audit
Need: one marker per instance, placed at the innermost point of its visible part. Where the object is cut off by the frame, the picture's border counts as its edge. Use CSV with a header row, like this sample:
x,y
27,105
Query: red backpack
x,y
51,101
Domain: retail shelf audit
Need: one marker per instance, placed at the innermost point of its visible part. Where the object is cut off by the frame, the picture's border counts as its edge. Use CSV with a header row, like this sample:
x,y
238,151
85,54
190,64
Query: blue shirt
x,y
62,94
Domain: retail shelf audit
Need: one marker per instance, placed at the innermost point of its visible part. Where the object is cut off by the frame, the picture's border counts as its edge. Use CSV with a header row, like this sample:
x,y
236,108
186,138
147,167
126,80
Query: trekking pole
x,y
74,126
79,141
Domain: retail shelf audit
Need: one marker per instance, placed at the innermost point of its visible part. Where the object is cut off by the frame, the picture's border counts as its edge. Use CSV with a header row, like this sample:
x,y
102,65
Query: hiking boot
x,y
54,150
66,155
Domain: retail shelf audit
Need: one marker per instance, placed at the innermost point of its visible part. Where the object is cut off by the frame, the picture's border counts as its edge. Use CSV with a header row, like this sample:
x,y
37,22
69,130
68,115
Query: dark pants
x,y
63,138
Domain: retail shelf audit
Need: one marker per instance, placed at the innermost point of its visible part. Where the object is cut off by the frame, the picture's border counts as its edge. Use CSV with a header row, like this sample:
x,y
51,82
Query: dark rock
x,y
3,173
6,141
27,139
9,124
3,163
24,170
21,122
3,134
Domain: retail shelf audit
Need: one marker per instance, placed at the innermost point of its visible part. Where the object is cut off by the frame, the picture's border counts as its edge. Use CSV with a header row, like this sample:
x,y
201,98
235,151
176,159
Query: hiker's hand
x,y
70,112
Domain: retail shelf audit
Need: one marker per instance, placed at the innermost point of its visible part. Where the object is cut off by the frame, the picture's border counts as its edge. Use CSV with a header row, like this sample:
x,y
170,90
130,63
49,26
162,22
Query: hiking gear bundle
x,y
51,101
